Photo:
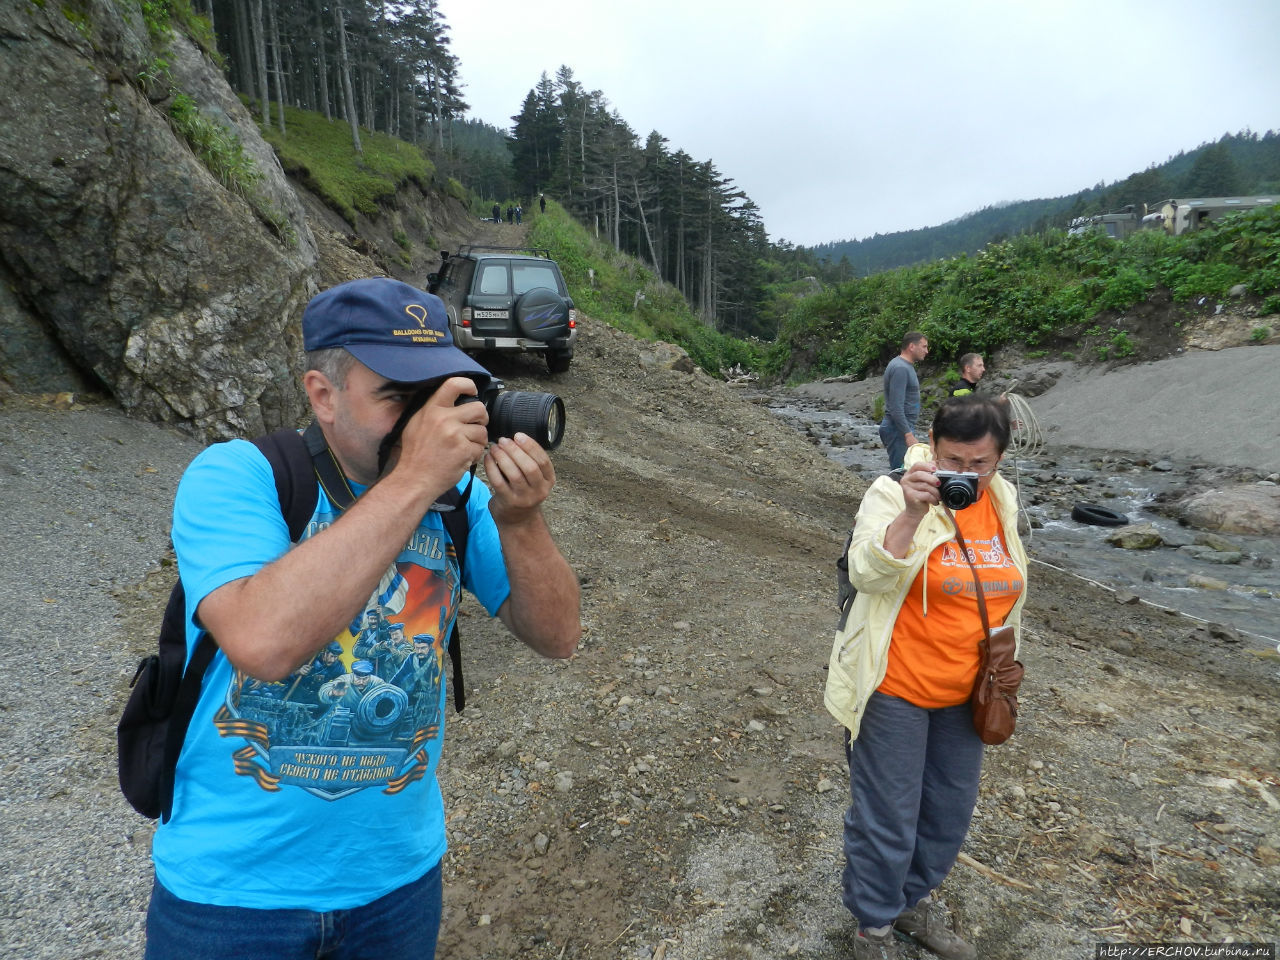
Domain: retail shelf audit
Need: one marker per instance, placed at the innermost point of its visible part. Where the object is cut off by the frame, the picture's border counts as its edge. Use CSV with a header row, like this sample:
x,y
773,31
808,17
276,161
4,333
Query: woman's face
x,y
980,456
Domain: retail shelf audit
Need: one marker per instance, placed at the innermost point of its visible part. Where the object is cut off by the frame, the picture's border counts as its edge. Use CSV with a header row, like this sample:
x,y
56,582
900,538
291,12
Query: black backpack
x,y
163,698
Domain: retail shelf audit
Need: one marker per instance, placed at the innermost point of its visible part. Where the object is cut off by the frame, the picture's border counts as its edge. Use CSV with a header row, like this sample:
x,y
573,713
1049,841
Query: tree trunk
x,y
617,209
279,67
348,94
653,256
243,63
322,62
260,59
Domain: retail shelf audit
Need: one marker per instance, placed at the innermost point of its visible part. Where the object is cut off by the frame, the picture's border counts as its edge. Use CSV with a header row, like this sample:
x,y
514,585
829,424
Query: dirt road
x,y
675,790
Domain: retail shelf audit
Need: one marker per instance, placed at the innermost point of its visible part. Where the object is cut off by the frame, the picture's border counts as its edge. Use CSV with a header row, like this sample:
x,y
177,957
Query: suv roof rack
x,y
469,248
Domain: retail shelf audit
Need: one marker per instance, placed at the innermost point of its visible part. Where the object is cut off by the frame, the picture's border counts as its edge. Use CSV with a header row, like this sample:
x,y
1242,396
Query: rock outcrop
x,y
125,262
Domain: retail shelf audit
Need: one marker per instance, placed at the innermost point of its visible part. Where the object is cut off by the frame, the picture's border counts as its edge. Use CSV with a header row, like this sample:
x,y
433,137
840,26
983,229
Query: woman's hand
x,y
920,489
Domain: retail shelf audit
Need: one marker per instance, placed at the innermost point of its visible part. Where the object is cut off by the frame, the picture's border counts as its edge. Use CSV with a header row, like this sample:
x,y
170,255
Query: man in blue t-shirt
x,y
298,733
902,398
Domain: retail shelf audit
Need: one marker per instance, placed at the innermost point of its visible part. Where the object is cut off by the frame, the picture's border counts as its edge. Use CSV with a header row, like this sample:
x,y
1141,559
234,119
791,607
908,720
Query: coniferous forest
x,y
386,66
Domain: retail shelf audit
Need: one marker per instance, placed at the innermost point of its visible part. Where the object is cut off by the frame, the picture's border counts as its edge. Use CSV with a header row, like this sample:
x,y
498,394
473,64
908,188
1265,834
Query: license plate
x,y
491,314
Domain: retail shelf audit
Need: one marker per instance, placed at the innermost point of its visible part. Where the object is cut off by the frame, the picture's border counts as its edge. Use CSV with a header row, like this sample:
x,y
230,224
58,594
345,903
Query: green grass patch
x,y
320,153
627,295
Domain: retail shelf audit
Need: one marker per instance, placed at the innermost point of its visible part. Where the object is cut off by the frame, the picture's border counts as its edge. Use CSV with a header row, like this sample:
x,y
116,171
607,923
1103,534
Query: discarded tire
x,y
1098,516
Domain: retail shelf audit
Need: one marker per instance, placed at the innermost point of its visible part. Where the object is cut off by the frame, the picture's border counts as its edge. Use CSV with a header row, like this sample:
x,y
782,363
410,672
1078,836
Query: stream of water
x,y
1052,482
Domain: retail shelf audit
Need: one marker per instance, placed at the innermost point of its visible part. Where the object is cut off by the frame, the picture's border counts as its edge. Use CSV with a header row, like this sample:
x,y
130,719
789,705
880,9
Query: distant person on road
x,y
902,398
972,367
519,213
497,213
511,213
899,680
542,203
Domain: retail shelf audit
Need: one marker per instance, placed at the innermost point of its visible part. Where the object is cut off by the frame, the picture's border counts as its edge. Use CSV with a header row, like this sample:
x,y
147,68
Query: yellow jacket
x,y
860,653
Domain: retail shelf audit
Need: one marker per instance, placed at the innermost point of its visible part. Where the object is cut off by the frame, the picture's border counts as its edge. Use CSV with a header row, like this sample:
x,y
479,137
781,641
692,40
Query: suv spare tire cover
x,y
542,314
1098,516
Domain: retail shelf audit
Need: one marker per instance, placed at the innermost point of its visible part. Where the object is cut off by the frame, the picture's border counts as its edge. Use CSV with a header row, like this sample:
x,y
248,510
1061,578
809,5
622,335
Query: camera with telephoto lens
x,y
957,490
540,415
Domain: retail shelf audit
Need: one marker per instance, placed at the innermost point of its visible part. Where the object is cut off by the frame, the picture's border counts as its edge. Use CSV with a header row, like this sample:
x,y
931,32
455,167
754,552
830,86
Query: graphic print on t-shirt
x,y
361,712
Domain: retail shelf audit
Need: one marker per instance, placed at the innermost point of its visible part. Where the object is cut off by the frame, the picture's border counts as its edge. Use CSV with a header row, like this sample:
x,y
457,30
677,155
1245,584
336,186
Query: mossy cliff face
x,y
125,263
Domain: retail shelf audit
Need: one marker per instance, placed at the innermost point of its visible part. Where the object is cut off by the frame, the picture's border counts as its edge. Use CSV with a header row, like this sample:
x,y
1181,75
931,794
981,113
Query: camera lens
x,y
958,492
540,415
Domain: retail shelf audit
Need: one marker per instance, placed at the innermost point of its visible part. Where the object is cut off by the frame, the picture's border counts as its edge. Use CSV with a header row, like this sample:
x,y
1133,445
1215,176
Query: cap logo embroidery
x,y
423,334
418,312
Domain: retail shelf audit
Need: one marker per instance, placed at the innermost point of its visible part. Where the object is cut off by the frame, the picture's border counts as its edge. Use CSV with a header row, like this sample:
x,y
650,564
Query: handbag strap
x,y
977,584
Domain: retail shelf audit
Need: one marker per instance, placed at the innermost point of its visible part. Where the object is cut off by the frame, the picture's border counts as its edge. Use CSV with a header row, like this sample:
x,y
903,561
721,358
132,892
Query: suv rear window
x,y
530,275
493,278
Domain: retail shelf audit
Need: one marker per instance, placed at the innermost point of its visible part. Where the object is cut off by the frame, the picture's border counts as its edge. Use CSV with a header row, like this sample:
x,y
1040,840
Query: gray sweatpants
x,y
913,783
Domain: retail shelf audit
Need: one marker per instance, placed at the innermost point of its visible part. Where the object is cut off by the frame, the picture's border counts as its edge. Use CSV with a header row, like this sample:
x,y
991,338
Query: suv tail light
x,y
466,316
573,318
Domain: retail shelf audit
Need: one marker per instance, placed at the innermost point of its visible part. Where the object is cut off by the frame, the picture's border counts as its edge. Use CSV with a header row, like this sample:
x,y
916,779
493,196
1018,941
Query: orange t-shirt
x,y
933,657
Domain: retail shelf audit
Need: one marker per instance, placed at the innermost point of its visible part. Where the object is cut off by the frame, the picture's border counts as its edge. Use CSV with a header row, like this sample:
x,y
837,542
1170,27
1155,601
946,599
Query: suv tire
x,y
542,314
558,360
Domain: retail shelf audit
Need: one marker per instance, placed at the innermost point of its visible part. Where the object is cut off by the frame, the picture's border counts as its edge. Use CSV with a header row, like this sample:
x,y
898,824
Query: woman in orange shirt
x,y
903,667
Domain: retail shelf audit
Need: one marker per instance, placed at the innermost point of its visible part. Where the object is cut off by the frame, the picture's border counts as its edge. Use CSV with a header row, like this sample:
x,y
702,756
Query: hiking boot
x,y
926,923
867,946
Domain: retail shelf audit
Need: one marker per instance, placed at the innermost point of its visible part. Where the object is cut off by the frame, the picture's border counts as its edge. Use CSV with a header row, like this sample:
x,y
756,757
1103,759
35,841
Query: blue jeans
x,y
403,925
895,443
913,783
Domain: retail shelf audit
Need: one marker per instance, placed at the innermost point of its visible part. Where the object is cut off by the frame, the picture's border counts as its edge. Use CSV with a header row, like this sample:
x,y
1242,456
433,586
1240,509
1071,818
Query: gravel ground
x,y
87,494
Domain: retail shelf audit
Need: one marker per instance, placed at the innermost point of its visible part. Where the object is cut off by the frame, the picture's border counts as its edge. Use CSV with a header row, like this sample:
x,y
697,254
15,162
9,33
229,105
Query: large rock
x,y
1136,537
1248,508
121,252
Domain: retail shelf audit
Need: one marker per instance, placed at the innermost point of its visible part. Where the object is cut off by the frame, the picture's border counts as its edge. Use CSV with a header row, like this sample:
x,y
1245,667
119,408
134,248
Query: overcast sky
x,y
846,118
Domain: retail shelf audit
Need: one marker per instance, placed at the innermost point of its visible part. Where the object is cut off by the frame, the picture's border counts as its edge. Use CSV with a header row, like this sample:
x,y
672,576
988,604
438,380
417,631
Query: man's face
x,y
974,371
363,413
918,350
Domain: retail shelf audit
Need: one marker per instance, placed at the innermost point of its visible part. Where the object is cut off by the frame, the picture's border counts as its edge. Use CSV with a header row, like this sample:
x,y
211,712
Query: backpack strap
x,y
296,491
291,464
845,590
458,525
184,704
452,507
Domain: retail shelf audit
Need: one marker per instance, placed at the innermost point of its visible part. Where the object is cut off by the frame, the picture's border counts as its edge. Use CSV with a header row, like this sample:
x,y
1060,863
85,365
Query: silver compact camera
x,y
957,490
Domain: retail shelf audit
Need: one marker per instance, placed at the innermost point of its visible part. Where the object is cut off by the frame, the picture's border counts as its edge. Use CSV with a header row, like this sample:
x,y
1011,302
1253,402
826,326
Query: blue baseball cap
x,y
397,331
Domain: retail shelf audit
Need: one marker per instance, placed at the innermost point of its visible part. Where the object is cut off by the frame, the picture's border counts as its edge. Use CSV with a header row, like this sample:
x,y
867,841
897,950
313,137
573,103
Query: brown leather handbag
x,y
994,699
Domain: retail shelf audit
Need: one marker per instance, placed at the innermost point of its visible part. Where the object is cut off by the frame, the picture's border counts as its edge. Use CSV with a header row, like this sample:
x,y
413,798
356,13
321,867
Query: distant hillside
x,y
1237,164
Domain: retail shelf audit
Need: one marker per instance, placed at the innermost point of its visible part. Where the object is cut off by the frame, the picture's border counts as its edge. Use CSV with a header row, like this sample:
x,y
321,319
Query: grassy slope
x,y
1026,290
612,296
319,153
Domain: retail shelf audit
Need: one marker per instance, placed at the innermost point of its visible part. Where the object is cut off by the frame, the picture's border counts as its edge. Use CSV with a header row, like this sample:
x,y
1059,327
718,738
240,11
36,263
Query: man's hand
x,y
443,439
520,477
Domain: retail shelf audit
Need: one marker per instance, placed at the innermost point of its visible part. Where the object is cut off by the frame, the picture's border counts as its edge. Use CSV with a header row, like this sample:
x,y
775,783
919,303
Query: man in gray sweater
x,y
902,398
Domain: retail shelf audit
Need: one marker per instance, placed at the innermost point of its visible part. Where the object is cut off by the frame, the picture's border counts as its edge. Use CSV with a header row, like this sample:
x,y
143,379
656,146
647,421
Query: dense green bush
x,y
1027,289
